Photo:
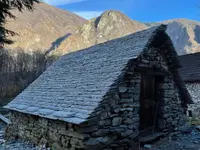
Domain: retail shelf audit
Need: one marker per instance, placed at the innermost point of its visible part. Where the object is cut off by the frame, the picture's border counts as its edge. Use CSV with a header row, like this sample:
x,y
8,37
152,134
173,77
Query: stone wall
x,y
194,90
51,133
119,117
118,124
173,111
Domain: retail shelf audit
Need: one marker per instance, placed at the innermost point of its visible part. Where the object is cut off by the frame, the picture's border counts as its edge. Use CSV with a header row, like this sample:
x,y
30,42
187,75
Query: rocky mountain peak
x,y
110,15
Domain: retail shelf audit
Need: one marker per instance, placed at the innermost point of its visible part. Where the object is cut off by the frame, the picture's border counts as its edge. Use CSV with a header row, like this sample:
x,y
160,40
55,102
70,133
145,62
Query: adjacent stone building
x,y
190,73
105,96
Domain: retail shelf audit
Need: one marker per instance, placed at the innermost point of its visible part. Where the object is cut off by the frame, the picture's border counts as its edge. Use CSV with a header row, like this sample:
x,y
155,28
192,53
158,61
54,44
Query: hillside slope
x,y
110,25
184,33
38,30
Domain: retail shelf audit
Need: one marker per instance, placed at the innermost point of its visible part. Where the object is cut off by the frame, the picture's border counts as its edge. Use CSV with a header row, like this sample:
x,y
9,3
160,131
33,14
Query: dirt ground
x,y
186,138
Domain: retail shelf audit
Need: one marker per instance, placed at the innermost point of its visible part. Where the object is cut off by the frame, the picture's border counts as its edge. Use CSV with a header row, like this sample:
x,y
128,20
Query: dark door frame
x,y
149,102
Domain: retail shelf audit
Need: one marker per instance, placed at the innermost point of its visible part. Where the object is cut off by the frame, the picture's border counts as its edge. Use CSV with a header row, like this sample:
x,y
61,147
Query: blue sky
x,y
141,10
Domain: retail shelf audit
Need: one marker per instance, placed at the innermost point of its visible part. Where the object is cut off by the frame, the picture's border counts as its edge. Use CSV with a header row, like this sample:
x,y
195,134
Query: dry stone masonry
x,y
42,131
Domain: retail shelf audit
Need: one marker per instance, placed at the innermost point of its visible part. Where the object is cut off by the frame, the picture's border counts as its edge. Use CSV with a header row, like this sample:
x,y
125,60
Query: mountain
x,y
110,25
43,28
184,33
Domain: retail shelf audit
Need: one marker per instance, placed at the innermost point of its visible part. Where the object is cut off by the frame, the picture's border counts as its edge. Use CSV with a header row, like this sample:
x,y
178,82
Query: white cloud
x,y
88,14
61,2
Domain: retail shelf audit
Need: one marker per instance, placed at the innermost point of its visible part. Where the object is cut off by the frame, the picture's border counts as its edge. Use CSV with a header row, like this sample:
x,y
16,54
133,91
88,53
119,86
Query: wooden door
x,y
147,102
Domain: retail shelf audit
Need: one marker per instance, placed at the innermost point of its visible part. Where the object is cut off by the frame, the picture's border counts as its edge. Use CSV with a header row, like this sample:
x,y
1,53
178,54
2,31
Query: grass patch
x,y
194,121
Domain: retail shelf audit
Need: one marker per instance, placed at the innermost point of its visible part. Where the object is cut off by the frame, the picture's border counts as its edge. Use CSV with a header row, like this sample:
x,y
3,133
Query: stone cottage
x,y
105,96
190,73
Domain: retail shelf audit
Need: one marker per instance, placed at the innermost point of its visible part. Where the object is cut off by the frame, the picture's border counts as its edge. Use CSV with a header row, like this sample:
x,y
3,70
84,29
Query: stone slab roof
x,y
72,87
190,71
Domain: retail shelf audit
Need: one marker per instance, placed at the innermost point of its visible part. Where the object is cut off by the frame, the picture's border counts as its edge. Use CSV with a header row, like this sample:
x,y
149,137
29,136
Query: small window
x,y
189,113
